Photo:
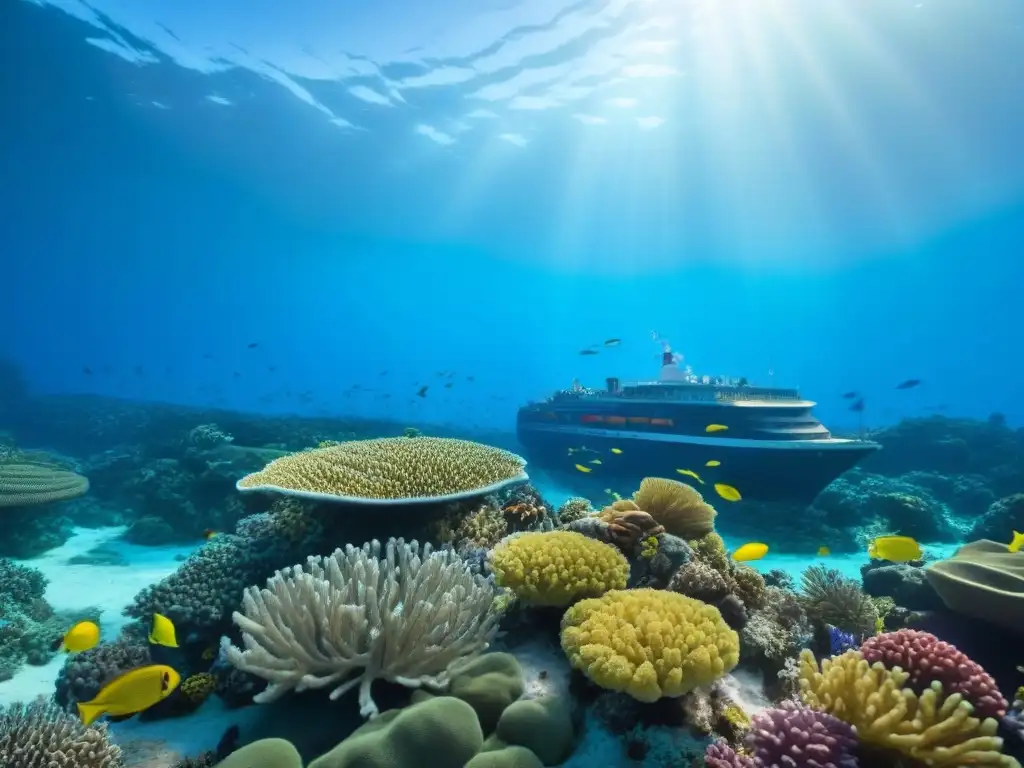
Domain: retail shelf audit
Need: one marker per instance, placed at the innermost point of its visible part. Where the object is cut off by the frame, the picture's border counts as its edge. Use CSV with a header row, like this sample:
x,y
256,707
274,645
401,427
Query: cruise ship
x,y
763,441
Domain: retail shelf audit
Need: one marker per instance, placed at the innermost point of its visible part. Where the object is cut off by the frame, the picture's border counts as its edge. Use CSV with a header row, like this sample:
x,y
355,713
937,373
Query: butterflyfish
x,y
715,428
81,637
130,693
162,632
895,549
1017,543
713,463
727,492
583,469
753,550
690,473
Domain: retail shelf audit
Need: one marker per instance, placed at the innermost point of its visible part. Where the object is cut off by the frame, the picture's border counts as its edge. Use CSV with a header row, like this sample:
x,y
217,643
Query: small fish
x,y
715,428
617,451
613,494
753,550
130,693
470,378
81,637
163,632
253,345
824,551
895,549
594,461
850,395
271,368
858,405
583,469
612,342
713,463
1017,543
448,385
236,374
423,391
87,370
727,492
207,356
209,533
690,473
909,384
586,352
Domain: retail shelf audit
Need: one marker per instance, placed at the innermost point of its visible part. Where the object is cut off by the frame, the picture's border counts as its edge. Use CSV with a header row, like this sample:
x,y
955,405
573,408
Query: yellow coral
x,y
677,506
648,643
390,470
197,687
557,567
936,729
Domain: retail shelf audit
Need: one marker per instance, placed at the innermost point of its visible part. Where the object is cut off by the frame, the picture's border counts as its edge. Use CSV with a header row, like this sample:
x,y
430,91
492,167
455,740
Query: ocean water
x,y
231,232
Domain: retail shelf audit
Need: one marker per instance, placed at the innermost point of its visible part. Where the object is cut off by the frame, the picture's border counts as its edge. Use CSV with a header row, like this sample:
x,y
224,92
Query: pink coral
x,y
927,659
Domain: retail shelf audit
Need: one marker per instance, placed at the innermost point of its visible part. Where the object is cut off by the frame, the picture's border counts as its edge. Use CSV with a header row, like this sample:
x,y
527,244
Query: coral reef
x,y
648,643
983,580
405,619
556,567
41,735
831,598
573,509
85,673
391,470
677,506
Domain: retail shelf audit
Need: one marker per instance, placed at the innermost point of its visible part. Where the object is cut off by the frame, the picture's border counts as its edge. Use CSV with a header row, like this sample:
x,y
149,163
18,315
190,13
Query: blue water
x,y
317,209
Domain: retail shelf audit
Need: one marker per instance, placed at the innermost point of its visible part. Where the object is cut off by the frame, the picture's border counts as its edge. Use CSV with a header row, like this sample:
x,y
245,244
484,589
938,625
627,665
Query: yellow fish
x,y
595,461
131,692
81,637
616,451
713,463
824,551
163,632
690,473
754,550
715,428
1017,543
727,492
895,549
581,468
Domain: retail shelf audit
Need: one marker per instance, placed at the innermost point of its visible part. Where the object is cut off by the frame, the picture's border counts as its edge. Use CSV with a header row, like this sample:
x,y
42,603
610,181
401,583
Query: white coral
x,y
407,619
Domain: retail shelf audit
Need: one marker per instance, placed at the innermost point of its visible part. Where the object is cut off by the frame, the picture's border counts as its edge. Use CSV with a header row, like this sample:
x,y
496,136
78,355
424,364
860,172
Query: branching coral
x,y
391,470
831,598
677,506
41,735
556,567
406,619
934,728
929,659
648,643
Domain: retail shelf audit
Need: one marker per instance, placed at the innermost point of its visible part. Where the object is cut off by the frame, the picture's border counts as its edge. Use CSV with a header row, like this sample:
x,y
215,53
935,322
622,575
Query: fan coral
x,y
557,567
391,470
573,509
40,735
929,659
677,506
831,598
934,728
405,619
791,736
29,484
648,643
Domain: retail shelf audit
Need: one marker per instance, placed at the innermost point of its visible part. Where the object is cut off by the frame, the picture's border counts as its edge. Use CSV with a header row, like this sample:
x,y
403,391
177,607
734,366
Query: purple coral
x,y
790,736
928,659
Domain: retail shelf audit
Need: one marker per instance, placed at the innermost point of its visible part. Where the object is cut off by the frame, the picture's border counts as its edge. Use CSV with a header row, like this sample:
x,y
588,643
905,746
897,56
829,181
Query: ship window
x,y
639,420
661,422
590,418
614,419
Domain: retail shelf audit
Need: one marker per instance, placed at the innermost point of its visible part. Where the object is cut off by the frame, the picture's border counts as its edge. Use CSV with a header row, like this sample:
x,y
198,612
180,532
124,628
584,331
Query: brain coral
x,y
557,567
27,484
390,470
41,735
648,643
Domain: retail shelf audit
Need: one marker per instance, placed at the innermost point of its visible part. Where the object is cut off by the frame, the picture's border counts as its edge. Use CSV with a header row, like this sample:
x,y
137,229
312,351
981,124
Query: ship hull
x,y
767,470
